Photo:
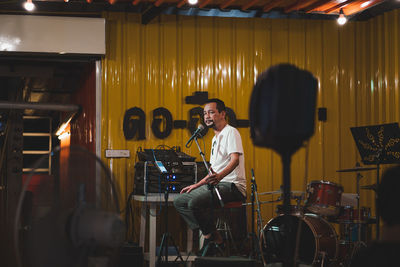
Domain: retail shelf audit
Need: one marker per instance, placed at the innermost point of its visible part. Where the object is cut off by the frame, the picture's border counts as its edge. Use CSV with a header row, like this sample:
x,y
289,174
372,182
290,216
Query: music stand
x,y
378,144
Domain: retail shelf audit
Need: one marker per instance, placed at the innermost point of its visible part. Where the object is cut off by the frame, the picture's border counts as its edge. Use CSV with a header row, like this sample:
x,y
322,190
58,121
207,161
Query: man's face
x,y
212,116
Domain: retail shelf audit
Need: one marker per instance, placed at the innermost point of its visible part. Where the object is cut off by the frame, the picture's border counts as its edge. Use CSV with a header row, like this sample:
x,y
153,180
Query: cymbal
x,y
357,169
370,186
278,192
270,193
263,202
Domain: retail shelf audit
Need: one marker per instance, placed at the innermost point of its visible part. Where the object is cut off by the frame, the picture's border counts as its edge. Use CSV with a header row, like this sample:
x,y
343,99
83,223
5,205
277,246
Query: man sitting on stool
x,y
195,203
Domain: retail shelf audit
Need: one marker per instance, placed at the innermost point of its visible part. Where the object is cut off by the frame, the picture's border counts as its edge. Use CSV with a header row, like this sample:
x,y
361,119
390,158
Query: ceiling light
x,y
342,18
193,2
29,6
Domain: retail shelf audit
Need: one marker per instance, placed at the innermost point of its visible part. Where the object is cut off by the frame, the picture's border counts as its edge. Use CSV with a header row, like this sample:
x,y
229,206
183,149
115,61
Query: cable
x,y
176,148
139,149
204,143
163,147
159,189
129,216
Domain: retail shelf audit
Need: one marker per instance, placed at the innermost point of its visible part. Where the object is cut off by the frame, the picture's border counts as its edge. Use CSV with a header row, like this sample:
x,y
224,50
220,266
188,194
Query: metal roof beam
x,y
152,13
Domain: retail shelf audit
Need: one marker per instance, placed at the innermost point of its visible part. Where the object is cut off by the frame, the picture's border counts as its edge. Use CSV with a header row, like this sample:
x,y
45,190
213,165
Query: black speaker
x,y
224,262
282,108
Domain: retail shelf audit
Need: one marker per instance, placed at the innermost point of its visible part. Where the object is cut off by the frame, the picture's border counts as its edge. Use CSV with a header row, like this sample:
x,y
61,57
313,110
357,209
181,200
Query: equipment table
x,y
151,200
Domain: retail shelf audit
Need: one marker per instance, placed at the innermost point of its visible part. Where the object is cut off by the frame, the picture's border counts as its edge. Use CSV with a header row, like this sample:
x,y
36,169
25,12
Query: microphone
x,y
195,134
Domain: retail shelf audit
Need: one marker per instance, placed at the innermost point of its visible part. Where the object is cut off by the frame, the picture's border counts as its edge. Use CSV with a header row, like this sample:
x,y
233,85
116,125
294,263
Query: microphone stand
x,y
211,187
254,239
257,201
378,161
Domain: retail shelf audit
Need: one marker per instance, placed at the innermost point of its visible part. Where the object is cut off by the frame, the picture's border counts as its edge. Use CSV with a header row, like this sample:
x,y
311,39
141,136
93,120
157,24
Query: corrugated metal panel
x,y
159,64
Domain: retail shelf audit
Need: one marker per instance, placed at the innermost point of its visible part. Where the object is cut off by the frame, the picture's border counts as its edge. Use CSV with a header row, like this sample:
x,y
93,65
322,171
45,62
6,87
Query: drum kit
x,y
309,229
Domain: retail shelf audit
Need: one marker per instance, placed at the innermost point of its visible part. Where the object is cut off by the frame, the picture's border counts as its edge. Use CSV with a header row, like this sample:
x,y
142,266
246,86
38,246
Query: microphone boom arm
x,y
194,135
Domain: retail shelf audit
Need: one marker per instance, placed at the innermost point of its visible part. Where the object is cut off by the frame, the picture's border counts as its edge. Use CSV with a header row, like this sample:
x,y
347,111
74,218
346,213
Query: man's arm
x,y
215,178
189,188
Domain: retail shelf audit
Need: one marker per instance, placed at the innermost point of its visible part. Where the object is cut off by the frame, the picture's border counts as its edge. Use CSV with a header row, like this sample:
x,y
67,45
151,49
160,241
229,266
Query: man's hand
x,y
213,178
189,188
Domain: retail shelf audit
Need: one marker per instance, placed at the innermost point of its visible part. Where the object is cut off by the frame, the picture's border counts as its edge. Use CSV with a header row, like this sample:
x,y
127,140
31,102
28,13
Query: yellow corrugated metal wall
x,y
159,64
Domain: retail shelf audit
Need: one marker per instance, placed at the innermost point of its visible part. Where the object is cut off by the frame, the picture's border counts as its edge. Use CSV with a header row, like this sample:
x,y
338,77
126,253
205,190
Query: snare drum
x,y
323,198
348,214
318,240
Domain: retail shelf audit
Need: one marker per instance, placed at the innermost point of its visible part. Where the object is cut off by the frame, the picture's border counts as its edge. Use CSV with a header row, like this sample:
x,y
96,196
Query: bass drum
x,y
318,240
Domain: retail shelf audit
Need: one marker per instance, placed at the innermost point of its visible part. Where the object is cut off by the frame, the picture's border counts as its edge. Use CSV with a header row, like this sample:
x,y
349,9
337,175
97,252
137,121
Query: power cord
x,y
129,215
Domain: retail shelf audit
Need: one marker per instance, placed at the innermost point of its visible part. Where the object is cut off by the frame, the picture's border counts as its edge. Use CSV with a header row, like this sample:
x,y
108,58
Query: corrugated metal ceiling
x,y
150,9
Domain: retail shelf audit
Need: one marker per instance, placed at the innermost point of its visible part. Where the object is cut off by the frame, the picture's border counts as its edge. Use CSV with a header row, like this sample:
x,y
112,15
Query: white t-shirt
x,y
228,142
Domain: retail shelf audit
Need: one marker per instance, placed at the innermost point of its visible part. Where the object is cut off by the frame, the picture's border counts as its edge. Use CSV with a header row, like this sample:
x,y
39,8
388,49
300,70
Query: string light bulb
x,y
193,2
342,18
29,6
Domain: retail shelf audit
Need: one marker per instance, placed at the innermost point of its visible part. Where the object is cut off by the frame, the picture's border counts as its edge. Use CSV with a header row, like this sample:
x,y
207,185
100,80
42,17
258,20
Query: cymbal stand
x,y
254,238
376,202
259,218
359,176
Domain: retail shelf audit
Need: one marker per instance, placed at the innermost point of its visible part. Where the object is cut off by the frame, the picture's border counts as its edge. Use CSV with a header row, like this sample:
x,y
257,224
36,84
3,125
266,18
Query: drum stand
x,y
358,222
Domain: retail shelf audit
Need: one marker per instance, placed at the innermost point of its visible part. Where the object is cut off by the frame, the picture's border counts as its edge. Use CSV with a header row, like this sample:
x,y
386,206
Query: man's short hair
x,y
219,102
388,196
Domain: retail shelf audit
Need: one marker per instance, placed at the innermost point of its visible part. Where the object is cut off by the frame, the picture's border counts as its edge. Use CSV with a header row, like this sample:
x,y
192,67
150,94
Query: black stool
x,y
223,224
